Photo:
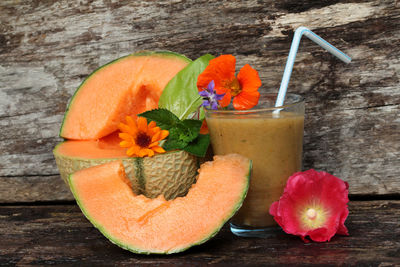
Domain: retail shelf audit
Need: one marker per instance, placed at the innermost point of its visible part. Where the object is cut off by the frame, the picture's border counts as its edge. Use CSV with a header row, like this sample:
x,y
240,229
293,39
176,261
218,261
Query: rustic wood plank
x,y
352,127
47,235
34,189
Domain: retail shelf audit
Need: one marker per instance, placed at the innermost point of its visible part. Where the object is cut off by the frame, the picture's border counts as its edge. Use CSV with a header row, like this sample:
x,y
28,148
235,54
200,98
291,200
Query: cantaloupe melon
x,y
144,225
126,86
170,174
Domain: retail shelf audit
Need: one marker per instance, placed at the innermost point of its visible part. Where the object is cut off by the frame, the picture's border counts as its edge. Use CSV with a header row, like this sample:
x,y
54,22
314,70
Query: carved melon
x,y
144,225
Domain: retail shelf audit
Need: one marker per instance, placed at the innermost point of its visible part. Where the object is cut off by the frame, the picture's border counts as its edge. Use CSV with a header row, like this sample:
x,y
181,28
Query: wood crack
x,y
371,107
30,175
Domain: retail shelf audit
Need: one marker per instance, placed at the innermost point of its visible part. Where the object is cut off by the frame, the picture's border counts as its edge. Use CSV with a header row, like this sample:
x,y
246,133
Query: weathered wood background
x,y
353,124
61,235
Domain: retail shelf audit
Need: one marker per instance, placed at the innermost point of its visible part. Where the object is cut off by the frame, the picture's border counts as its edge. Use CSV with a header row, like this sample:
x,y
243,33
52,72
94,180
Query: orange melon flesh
x,y
127,86
170,174
106,147
144,225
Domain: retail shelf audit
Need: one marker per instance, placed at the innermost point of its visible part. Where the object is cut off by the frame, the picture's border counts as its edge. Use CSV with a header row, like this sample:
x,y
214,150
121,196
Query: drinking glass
x,y
272,137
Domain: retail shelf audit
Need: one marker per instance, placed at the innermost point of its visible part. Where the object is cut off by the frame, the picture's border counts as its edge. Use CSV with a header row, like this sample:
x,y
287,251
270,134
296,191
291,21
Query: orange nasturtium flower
x,y
141,139
243,88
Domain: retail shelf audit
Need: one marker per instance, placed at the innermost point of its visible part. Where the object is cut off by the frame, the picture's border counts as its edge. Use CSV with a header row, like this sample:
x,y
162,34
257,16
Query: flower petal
x,y
125,136
248,79
205,103
131,123
204,128
156,136
150,152
142,124
322,234
158,149
125,144
153,144
153,131
320,192
145,152
219,69
152,124
131,151
342,230
163,135
226,100
204,93
246,100
126,129
210,86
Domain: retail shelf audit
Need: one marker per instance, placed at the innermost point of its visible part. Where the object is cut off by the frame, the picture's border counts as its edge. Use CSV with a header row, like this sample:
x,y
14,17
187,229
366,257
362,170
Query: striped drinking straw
x,y
292,56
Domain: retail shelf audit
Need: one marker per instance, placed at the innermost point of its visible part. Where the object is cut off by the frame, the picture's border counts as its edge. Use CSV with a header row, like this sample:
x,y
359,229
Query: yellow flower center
x,y
233,86
142,139
313,216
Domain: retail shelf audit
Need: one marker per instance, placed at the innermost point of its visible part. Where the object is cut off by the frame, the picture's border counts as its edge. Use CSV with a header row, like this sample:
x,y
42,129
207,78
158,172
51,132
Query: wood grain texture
x,y
48,235
352,129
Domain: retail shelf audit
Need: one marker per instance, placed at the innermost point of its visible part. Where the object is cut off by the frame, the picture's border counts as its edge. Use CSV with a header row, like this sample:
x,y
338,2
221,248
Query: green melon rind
x,y
137,54
234,210
142,184
95,224
138,250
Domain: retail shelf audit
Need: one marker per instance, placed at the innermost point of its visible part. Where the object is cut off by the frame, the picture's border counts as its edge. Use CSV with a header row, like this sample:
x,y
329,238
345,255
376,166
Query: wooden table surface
x,y
60,234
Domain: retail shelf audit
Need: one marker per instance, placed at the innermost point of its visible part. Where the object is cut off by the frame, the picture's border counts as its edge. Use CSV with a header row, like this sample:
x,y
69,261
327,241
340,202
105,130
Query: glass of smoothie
x,y
273,139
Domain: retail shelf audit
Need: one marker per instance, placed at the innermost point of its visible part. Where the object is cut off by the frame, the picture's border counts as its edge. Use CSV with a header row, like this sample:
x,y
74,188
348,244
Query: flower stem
x,y
191,107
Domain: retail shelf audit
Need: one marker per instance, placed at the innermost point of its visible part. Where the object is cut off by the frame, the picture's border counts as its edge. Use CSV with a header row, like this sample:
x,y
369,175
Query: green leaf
x,y
181,95
195,124
199,146
164,118
191,128
182,134
174,143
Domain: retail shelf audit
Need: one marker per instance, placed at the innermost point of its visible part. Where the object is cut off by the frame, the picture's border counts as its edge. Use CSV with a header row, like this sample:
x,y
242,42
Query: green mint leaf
x,y
180,96
193,124
175,140
190,128
198,147
172,144
164,118
182,134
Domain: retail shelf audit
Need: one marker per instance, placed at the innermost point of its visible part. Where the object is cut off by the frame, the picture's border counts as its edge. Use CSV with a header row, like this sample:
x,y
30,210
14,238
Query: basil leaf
x,y
181,95
164,118
199,146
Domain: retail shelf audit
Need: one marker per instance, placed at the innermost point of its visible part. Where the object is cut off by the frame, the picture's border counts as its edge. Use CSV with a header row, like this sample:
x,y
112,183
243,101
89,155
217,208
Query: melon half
x,y
171,173
124,87
127,86
144,225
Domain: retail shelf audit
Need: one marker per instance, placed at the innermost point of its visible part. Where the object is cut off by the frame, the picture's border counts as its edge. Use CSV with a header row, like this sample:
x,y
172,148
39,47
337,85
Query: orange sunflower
x,y
243,88
140,138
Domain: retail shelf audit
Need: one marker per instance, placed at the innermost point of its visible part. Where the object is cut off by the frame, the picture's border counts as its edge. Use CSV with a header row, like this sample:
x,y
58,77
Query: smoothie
x,y
274,142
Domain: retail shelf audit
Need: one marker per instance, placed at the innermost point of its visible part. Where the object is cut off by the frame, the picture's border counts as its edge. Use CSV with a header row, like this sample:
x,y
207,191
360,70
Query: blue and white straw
x,y
292,56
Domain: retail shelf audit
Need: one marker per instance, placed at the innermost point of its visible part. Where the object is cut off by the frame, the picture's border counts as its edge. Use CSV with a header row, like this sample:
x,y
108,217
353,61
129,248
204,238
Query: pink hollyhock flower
x,y
313,204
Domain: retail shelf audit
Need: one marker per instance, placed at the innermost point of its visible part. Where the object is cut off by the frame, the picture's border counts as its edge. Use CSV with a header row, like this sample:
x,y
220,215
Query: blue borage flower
x,y
210,96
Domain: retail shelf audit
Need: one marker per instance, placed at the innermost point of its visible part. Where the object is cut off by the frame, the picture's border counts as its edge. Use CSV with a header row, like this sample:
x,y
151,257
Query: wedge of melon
x,y
144,225
126,86
170,174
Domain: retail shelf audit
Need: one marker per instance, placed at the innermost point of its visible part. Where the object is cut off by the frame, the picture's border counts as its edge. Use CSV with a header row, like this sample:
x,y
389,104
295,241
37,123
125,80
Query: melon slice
x,y
126,86
144,225
170,174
